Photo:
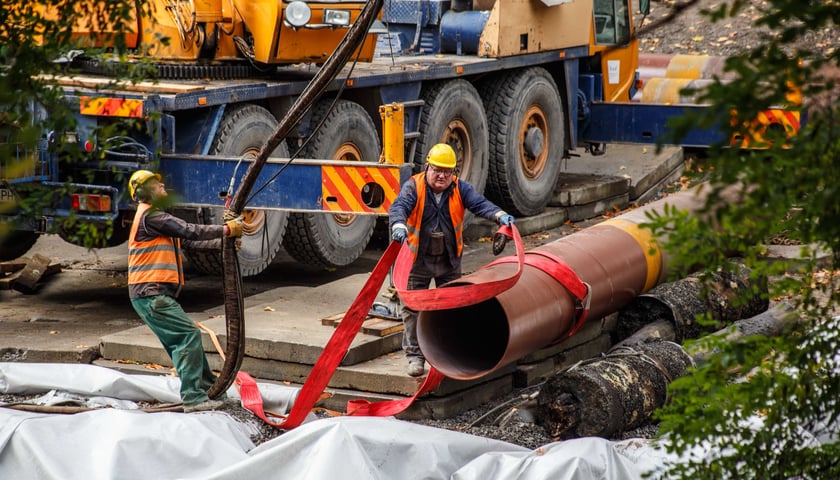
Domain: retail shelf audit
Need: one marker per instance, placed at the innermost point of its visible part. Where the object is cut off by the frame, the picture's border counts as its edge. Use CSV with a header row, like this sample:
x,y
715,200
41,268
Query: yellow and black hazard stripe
x,y
349,188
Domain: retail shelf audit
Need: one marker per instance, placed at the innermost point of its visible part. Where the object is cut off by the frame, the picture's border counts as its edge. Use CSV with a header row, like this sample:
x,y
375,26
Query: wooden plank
x,y
31,274
380,327
147,87
9,280
332,320
373,325
13,265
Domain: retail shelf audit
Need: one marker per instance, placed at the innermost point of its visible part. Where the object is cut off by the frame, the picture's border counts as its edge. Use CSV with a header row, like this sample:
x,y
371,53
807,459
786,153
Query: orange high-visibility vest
x,y
154,261
456,212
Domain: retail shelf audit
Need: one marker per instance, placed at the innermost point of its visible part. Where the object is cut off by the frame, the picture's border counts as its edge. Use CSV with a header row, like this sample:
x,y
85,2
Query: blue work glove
x,y
506,220
399,234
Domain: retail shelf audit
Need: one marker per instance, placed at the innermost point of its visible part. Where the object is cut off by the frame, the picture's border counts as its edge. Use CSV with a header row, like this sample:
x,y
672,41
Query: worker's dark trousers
x,y
181,339
422,273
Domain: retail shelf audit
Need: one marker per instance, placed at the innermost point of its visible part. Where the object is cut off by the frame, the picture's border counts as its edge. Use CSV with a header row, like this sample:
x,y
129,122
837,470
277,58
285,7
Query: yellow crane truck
x,y
514,86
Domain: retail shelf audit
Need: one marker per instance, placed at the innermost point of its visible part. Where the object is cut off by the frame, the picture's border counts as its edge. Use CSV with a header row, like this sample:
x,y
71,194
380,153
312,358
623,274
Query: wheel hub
x,y
534,140
533,137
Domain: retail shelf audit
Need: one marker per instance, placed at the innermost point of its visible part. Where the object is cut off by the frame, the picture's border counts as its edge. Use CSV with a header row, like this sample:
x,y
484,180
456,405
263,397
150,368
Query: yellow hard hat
x,y
442,156
137,180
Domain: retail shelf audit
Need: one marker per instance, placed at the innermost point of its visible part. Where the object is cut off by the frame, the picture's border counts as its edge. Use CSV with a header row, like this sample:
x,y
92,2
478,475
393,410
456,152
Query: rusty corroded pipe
x,y
617,258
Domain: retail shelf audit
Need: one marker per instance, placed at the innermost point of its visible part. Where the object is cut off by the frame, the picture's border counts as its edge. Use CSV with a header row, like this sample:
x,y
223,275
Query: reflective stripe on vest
x,y
415,220
153,261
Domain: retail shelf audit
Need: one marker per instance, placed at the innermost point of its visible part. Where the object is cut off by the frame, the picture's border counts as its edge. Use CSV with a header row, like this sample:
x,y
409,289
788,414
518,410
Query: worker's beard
x,y
164,202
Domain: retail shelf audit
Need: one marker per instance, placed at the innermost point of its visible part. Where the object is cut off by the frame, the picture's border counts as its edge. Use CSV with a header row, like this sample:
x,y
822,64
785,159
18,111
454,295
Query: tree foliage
x,y
766,408
37,44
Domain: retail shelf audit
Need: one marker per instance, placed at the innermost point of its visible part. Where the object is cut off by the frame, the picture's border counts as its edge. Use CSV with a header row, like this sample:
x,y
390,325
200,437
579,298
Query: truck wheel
x,y
242,131
527,139
324,239
16,243
453,114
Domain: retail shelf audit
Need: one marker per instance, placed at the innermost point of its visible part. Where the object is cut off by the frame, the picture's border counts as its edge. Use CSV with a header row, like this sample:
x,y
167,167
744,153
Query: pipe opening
x,y
464,343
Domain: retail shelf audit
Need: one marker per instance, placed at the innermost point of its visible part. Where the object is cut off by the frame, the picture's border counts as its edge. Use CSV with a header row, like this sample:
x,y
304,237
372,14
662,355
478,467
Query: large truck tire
x,y
242,132
453,113
527,139
16,243
335,240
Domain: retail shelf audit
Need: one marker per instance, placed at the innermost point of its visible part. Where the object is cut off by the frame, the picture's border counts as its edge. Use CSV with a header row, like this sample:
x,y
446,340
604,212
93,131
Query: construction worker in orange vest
x,y
429,214
155,277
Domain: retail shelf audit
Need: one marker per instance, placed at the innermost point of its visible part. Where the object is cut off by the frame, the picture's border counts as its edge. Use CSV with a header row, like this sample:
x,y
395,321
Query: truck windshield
x,y
612,22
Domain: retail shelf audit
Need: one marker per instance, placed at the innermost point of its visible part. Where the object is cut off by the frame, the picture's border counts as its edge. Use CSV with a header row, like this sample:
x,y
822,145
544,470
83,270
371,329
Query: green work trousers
x,y
181,339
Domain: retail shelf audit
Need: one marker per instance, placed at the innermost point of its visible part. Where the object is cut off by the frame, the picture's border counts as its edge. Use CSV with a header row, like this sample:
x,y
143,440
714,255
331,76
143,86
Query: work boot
x,y
416,366
204,406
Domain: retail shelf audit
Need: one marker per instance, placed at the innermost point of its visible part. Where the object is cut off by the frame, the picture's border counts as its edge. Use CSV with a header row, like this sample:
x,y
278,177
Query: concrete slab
x,y
588,332
450,406
285,327
617,203
583,188
656,190
640,164
668,161
533,373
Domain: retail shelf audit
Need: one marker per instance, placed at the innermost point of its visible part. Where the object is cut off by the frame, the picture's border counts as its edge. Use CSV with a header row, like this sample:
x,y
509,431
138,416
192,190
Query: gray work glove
x,y
399,234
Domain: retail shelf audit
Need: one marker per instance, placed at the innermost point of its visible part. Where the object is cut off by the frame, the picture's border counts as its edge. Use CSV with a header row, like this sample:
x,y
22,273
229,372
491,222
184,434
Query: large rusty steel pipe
x,y
617,258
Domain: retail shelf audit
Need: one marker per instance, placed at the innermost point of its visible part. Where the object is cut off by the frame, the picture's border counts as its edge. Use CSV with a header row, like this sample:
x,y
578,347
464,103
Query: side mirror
x,y
644,7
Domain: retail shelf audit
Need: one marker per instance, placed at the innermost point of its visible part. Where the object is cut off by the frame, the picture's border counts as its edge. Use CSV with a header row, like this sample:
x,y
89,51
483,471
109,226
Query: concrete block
x,y
594,209
654,191
451,405
588,332
653,172
584,352
533,373
580,189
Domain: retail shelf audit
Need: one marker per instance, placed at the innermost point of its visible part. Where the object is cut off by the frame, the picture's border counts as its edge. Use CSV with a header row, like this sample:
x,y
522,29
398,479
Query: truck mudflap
x,y
301,185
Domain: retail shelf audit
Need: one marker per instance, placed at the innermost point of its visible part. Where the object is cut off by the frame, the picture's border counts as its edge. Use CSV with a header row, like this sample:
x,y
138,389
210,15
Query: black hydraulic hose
x,y
235,347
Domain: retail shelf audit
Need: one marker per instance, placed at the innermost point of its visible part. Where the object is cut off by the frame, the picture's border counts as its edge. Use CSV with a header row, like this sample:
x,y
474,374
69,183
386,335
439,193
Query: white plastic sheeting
x,y
120,443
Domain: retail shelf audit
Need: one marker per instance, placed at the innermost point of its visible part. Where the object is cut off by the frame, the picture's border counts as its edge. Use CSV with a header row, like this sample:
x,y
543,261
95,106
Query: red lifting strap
x,y
339,343
563,273
458,296
251,398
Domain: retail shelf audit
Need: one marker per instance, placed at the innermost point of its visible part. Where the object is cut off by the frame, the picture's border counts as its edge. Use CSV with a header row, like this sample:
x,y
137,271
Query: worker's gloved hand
x,y
399,234
230,215
251,228
234,227
506,220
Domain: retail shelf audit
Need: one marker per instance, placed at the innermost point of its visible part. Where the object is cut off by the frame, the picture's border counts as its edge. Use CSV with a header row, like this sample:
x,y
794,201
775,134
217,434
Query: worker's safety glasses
x,y
443,172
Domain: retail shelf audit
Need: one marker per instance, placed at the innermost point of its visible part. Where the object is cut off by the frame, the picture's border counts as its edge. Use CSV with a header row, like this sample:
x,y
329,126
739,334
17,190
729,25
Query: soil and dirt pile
x,y
691,32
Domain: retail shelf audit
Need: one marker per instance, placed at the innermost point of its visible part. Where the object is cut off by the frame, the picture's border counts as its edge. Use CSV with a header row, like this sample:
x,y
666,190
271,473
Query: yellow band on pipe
x,y
651,250
686,66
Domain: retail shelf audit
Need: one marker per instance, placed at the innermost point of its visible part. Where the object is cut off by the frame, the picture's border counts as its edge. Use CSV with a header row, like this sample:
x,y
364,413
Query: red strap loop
x,y
458,296
563,273
339,343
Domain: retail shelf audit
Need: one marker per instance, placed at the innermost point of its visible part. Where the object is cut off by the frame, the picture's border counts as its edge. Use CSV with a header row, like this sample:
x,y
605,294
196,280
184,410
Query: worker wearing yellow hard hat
x,y
155,278
429,214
